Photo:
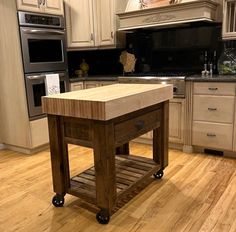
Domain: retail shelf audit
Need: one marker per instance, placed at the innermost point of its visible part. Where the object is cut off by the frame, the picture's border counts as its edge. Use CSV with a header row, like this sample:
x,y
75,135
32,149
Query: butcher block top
x,y
107,102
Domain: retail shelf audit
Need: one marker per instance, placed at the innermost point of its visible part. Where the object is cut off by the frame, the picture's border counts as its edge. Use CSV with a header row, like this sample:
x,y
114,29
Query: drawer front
x,y
214,88
132,128
213,108
213,135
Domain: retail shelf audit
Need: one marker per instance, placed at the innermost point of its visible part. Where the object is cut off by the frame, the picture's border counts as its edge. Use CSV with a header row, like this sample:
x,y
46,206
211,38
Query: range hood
x,y
170,15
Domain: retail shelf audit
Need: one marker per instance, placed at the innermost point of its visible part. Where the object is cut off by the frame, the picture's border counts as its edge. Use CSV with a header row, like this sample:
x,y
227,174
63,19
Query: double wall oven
x,y
43,52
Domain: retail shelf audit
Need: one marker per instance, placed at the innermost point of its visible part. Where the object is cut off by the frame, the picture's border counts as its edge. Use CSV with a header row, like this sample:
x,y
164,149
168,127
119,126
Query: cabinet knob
x,y
112,35
44,1
91,36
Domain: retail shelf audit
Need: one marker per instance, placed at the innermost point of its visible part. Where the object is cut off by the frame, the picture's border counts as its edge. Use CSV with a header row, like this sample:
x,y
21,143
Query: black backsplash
x,y
177,49
101,62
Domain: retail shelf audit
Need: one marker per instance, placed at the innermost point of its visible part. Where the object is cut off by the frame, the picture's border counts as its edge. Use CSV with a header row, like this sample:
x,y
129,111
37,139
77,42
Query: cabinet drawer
x,y
214,88
213,108
213,135
132,128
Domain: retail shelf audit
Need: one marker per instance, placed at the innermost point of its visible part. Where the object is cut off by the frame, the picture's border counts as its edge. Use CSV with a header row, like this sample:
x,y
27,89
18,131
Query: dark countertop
x,y
214,78
195,78
94,78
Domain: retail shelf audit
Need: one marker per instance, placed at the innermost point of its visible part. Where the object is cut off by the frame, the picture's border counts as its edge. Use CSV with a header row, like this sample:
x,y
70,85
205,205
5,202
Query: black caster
x,y
159,174
58,200
103,217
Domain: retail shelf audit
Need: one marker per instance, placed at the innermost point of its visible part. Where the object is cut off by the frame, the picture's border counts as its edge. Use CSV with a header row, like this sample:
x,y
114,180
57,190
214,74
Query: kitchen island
x,y
106,119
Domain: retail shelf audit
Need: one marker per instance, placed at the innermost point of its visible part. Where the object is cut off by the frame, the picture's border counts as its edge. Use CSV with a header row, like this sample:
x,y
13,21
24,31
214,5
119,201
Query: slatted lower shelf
x,y
130,172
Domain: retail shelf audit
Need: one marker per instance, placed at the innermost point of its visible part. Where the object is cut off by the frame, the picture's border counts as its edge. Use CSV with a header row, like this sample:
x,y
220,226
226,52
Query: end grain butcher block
x,y
107,102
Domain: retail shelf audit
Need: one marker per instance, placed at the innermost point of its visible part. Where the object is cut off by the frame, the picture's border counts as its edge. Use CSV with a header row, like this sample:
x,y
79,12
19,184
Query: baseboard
x,y
228,154
26,150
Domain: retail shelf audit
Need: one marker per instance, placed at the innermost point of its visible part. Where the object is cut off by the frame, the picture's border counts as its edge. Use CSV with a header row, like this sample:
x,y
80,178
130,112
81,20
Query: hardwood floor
x,y
197,193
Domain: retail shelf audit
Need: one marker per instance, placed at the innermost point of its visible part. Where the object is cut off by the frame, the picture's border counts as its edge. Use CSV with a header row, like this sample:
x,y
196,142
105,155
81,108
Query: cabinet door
x,y
105,22
229,19
79,22
53,7
29,5
76,86
91,84
176,116
103,83
39,132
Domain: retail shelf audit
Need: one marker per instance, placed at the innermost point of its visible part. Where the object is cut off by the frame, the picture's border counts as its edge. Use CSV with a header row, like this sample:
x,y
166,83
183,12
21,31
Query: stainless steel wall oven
x,y
43,52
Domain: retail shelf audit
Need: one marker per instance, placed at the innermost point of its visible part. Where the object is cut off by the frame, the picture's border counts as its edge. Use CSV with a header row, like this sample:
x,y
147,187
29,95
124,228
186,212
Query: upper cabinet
x,y
79,23
41,6
91,23
229,19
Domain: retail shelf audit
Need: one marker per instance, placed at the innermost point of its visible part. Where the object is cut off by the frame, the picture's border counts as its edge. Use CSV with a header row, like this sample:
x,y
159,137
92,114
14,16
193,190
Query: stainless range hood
x,y
165,16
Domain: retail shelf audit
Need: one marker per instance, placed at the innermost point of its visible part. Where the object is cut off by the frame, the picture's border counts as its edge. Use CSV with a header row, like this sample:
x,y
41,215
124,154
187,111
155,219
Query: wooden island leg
x,y
160,141
105,172
59,160
123,150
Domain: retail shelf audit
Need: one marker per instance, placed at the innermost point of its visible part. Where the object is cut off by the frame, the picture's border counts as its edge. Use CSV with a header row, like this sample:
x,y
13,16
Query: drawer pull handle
x,y
139,124
211,135
213,89
212,109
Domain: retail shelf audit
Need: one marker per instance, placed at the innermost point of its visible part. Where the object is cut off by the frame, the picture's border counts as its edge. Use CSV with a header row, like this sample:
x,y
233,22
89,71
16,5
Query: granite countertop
x,y
214,78
95,78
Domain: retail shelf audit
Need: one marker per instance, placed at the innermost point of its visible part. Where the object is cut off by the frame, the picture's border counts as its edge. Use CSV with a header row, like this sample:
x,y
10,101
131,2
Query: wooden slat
x,y
79,190
90,180
130,172
119,176
130,163
139,160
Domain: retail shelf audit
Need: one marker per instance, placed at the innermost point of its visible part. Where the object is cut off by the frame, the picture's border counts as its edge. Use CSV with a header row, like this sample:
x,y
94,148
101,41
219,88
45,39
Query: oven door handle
x,y
43,32
36,77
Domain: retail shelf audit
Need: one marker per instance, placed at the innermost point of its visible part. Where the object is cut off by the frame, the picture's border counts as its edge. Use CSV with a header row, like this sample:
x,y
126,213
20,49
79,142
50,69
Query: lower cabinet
x,y
39,132
76,86
213,135
89,84
176,121
213,115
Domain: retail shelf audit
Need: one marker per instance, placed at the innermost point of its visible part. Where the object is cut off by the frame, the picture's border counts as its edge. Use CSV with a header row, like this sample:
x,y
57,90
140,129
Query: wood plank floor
x,y
197,193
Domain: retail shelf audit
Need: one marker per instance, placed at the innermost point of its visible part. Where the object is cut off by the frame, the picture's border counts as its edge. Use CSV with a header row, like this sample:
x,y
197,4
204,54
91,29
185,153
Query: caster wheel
x,y
58,200
103,217
159,174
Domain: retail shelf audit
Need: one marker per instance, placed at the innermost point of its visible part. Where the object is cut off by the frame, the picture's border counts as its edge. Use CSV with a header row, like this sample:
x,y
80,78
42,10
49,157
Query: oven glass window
x,y
39,91
41,51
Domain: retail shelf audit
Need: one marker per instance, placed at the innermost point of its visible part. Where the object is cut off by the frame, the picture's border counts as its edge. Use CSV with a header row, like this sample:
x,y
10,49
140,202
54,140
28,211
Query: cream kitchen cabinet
x,y
176,123
76,86
16,130
93,84
90,23
213,115
89,84
176,120
41,6
229,19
